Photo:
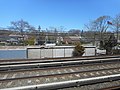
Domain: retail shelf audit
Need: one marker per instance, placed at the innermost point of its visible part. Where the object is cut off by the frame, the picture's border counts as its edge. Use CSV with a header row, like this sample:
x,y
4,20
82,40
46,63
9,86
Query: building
x,y
71,39
14,39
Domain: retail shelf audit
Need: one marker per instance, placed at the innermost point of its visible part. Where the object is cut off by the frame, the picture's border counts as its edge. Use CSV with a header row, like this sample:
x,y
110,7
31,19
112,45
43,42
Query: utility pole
x,y
46,37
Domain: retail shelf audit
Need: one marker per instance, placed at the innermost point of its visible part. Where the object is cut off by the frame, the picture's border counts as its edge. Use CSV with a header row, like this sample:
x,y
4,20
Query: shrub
x,y
2,44
116,51
79,50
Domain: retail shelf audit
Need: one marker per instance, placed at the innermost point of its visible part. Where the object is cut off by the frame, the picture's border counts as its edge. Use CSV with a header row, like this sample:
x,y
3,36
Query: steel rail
x,y
28,61
62,67
58,74
66,84
57,64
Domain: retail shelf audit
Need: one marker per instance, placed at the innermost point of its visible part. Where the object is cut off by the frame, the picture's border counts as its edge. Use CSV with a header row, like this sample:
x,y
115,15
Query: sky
x,y
71,14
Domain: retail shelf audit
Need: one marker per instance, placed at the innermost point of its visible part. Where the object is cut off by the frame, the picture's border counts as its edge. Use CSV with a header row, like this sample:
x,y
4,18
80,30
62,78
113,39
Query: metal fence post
x,y
27,53
64,52
40,53
52,52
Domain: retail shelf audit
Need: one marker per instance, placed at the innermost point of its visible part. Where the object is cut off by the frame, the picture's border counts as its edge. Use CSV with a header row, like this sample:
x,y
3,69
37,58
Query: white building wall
x,y
60,51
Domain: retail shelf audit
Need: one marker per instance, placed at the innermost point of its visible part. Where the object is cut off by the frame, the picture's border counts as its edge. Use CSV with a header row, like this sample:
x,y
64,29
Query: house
x,y
40,40
48,38
71,39
59,40
3,39
15,39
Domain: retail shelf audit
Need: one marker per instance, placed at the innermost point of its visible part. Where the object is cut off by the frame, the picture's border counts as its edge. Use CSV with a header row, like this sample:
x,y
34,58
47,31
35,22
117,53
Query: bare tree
x,y
74,32
116,25
62,31
101,25
90,26
21,26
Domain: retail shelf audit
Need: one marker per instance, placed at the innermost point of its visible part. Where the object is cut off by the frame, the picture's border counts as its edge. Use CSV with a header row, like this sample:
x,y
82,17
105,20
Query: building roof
x,y
14,35
75,38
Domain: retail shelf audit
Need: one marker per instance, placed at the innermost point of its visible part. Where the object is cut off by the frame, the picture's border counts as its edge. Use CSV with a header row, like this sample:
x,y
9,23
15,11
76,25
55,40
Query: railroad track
x,y
112,88
23,73
49,60
52,70
108,85
84,84
56,77
56,64
43,79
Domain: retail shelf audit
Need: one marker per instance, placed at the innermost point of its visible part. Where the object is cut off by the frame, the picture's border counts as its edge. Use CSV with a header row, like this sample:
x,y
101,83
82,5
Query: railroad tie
x,y
5,76
9,83
14,75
